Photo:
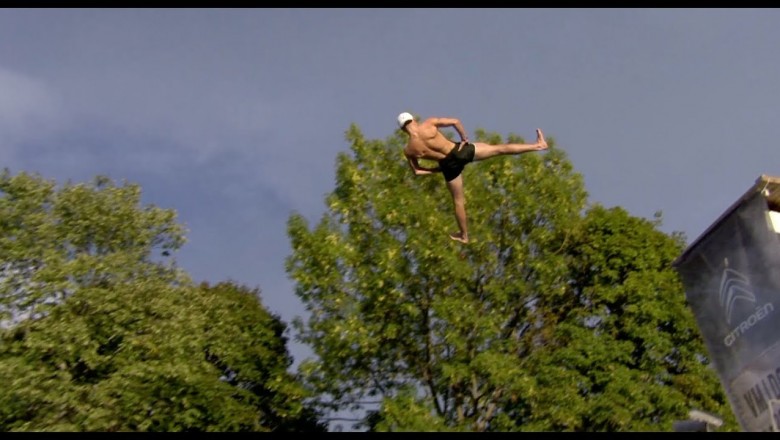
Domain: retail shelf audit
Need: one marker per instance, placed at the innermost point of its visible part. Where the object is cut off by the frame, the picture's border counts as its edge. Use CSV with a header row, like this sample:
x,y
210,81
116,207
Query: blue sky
x,y
234,117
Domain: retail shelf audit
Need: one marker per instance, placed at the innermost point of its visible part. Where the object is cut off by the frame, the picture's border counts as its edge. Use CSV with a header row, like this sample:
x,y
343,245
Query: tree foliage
x,y
103,333
558,316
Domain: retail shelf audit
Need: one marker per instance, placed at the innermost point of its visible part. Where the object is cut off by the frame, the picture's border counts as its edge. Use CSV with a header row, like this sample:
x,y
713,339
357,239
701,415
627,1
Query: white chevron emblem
x,y
733,287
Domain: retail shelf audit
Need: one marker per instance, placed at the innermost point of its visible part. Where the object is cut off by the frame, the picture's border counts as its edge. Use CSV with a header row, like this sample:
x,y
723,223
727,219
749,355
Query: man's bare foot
x,y
457,236
540,141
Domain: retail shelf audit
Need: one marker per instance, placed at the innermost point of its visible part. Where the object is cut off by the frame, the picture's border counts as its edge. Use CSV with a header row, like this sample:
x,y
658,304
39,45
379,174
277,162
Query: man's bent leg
x,y
485,151
459,202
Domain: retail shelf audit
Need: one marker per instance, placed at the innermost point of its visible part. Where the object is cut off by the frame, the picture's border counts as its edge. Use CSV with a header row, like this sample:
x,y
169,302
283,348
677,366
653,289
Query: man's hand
x,y
424,171
418,170
461,131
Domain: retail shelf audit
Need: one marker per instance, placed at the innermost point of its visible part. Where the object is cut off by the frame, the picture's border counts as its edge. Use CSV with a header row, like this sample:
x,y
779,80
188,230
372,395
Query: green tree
x,y
55,241
559,316
103,334
621,351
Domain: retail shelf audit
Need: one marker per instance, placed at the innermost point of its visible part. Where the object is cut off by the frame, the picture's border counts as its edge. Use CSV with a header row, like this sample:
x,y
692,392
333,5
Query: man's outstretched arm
x,y
419,170
451,122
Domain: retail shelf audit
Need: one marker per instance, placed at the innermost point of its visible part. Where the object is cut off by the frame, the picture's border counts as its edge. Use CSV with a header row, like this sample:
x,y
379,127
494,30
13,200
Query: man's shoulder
x,y
428,126
437,121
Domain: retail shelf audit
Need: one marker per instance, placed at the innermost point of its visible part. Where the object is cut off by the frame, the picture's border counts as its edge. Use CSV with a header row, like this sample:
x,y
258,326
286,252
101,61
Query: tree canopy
x,y
103,333
561,315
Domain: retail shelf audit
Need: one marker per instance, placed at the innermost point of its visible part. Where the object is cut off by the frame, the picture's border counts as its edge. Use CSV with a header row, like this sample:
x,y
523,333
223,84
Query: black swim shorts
x,y
452,165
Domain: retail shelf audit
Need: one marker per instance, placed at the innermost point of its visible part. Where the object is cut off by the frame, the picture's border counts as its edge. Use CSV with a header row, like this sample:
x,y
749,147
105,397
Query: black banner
x,y
732,283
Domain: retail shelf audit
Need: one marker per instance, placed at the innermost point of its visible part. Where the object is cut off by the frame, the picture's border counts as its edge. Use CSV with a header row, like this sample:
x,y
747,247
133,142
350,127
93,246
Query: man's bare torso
x,y
427,142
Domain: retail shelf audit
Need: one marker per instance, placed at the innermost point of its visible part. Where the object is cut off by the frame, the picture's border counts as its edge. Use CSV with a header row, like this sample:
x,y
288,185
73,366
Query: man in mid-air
x,y
427,142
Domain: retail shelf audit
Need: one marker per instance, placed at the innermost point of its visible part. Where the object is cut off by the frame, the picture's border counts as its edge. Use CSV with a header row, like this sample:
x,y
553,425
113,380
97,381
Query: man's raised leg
x,y
485,151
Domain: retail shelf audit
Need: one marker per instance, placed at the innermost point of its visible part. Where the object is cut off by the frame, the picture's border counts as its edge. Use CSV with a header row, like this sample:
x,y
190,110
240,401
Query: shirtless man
x,y
427,142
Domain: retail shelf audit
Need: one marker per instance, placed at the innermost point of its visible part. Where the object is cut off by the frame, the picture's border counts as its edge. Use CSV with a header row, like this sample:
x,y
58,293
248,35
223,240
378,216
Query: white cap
x,y
403,118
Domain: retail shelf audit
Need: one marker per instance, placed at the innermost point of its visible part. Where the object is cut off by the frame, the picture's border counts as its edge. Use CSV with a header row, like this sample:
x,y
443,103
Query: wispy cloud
x,y
29,111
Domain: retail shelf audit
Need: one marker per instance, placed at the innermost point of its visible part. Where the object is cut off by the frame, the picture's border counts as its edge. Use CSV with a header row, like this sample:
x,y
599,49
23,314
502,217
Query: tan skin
x,y
427,142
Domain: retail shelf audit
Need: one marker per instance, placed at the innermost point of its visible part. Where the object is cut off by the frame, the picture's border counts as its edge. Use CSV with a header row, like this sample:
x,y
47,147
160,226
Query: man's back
x,y
427,142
